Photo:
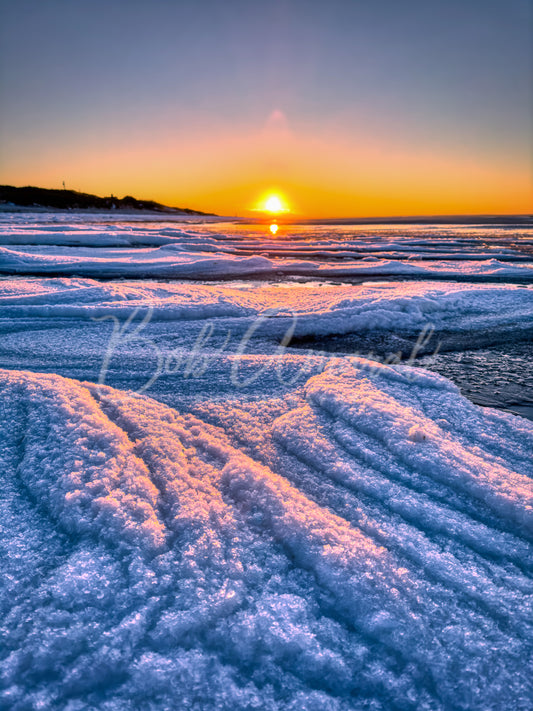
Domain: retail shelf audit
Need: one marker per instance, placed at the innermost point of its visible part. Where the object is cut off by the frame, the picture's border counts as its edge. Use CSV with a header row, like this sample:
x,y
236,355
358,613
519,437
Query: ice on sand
x,y
371,548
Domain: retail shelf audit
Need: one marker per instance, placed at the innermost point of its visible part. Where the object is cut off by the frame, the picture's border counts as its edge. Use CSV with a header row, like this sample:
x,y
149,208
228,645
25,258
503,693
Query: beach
x,y
236,476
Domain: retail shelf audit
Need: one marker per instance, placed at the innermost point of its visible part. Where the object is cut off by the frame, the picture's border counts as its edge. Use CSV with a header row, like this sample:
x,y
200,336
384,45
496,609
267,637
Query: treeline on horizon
x,y
72,200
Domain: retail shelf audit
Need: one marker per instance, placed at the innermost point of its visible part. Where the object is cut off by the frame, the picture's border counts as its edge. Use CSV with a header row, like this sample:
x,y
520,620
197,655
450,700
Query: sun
x,y
274,204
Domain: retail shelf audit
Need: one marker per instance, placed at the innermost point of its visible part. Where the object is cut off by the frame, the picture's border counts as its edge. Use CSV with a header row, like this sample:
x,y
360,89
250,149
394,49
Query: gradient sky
x,y
345,107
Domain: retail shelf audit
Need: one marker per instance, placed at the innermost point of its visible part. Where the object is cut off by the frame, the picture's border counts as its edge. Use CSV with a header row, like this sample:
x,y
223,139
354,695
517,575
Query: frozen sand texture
x,y
169,262
318,308
371,548
74,245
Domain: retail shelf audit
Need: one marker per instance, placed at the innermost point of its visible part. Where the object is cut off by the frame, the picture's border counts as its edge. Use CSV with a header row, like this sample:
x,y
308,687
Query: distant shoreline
x,y
33,199
43,200
106,212
467,220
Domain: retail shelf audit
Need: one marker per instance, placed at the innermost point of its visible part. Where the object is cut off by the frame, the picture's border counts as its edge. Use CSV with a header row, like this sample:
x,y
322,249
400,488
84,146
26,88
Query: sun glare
x,y
274,204
274,228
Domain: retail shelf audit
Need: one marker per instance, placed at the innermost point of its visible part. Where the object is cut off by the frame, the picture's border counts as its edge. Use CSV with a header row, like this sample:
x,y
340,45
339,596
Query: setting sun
x,y
274,204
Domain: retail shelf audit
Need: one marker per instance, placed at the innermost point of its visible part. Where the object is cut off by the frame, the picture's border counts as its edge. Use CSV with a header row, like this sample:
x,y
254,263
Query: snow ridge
x,y
373,548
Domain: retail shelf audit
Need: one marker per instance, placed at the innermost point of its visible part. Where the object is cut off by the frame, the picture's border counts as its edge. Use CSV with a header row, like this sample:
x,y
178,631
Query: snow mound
x,y
319,308
335,561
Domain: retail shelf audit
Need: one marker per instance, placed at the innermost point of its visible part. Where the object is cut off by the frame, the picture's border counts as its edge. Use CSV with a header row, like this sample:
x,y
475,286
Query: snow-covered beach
x,y
226,485
81,246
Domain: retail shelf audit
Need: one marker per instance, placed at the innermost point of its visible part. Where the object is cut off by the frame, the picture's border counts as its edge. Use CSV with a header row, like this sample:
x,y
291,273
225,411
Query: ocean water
x,y
246,470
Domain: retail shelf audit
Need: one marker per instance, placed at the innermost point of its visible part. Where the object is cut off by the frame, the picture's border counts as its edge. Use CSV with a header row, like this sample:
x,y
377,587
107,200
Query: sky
x,y
342,108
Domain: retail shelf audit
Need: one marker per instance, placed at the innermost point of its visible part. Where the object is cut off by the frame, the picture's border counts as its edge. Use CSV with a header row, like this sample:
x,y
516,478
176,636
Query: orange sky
x,y
344,108
318,173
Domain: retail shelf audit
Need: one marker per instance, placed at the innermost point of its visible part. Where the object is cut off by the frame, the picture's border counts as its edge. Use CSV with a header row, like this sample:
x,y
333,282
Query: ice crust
x,y
314,308
363,543
77,246
266,528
